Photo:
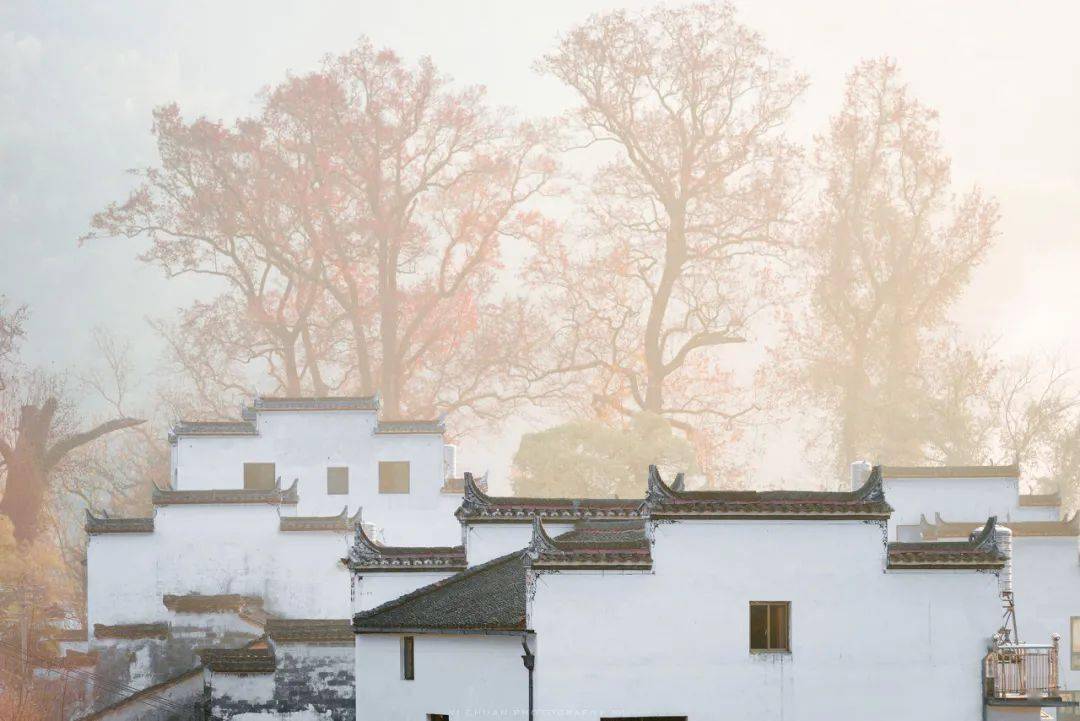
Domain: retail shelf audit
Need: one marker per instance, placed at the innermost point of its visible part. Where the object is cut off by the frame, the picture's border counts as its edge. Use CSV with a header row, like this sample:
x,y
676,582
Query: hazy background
x,y
78,82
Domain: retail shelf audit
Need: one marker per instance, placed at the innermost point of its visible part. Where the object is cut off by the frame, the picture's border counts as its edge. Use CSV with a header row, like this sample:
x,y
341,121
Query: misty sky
x,y
78,81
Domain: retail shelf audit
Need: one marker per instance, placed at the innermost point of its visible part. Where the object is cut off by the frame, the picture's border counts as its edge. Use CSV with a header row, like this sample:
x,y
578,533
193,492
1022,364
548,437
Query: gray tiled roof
x,y
410,427
979,552
478,507
941,528
212,428
327,403
592,545
367,555
341,523
249,659
485,598
671,502
275,496
324,632
96,525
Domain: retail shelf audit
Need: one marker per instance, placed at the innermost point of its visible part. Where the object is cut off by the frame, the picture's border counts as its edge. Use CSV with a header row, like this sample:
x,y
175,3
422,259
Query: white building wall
x,y
953,498
374,588
865,643
302,445
211,550
1046,579
465,676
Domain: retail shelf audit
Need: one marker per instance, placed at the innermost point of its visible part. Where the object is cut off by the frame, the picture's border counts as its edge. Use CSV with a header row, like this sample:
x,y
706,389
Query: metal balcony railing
x,y
1022,670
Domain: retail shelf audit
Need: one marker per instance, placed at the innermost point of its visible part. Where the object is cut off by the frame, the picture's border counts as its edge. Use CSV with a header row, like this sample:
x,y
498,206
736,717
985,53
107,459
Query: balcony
x,y
1022,672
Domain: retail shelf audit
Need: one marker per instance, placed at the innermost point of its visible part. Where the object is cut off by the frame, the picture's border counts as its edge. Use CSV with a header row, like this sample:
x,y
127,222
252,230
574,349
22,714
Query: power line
x,y
152,700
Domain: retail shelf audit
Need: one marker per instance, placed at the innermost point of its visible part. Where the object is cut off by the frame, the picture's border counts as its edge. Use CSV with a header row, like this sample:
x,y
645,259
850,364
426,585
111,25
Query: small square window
x,y
260,476
1074,642
393,476
408,671
770,626
337,481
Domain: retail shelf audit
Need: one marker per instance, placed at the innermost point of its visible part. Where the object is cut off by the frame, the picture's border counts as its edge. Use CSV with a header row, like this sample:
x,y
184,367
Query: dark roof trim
x,y
434,427
218,603
98,525
212,429
246,660
341,523
275,497
1040,499
366,554
478,507
664,502
324,403
941,528
1012,471
131,630
319,632
421,631
979,552
564,553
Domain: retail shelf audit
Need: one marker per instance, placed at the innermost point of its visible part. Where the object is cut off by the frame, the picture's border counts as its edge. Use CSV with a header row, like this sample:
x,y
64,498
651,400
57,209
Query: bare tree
x,y
684,221
355,225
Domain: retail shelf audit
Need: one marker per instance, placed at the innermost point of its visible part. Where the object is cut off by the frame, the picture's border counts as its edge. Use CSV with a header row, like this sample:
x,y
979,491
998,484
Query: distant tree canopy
x,y
888,251
355,228
593,459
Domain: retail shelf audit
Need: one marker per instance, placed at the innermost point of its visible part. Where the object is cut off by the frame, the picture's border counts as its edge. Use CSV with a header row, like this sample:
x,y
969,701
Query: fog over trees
x,y
375,226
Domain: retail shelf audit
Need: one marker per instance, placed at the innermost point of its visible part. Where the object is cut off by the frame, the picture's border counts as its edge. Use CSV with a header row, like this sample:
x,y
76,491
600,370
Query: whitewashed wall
x,y
865,643
954,498
465,676
216,549
374,588
303,444
1046,579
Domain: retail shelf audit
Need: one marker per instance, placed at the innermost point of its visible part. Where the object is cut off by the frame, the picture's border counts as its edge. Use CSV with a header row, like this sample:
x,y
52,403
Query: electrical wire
x,y
152,700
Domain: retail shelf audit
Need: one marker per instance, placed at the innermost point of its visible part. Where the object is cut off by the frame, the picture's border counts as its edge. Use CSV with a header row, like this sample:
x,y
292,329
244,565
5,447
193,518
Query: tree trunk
x,y
30,460
674,257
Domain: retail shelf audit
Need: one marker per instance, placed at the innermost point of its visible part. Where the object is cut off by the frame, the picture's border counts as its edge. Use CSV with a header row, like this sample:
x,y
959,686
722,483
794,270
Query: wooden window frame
x,y
329,488
408,658
386,489
786,605
273,476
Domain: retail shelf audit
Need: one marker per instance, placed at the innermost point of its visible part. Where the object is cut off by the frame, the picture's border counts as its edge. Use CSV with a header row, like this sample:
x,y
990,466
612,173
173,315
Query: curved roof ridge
x,y
368,554
671,501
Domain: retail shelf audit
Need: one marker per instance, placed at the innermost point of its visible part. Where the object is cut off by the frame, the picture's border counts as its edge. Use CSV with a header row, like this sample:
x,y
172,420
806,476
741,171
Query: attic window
x,y
337,481
259,477
408,671
770,626
393,476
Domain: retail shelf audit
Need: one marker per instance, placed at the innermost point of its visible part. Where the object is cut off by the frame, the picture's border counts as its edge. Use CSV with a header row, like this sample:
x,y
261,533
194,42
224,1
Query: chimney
x,y
860,471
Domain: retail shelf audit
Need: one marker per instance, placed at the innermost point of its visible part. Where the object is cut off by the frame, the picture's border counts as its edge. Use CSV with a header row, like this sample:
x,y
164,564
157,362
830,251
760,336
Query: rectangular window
x,y
408,671
770,626
1074,642
438,717
259,476
393,476
337,481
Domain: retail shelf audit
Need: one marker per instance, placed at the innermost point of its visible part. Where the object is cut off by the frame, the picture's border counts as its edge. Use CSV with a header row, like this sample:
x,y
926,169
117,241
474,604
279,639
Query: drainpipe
x,y
529,659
